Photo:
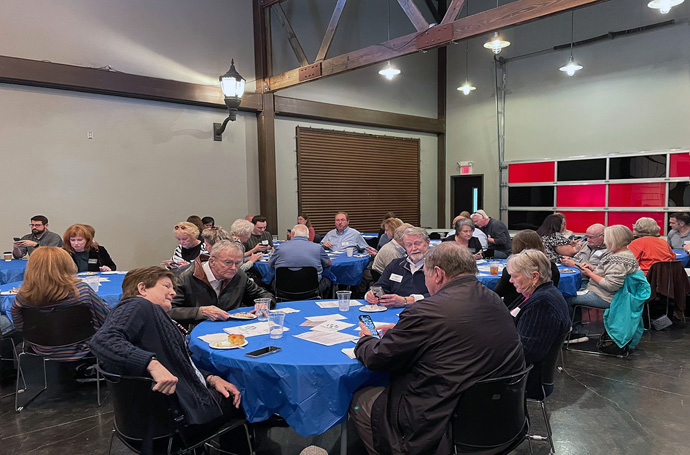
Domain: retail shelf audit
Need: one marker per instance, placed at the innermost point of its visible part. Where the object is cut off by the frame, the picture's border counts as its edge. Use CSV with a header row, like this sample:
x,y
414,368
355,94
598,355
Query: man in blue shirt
x,y
300,252
343,236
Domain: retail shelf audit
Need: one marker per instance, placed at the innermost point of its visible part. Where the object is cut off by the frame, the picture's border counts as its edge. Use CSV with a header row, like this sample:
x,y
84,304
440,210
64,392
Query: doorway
x,y
466,193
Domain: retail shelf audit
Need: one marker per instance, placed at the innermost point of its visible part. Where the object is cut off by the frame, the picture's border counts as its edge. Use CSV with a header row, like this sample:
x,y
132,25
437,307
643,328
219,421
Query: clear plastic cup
x,y
350,251
276,321
344,300
261,306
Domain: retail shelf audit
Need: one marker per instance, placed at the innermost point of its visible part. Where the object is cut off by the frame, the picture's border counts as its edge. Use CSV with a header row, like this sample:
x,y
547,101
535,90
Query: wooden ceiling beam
x,y
433,10
291,36
330,31
453,11
415,16
518,12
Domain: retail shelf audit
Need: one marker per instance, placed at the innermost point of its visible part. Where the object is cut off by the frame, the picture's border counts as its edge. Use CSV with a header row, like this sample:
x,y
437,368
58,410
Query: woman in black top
x,y
523,240
464,228
87,254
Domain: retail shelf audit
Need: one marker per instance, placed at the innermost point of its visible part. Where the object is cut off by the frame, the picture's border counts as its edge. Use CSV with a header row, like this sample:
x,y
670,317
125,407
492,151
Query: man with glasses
x,y
210,287
402,281
40,236
591,252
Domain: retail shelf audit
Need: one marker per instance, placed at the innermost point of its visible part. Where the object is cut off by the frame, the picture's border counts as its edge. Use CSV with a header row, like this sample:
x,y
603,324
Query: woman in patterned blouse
x,y
555,243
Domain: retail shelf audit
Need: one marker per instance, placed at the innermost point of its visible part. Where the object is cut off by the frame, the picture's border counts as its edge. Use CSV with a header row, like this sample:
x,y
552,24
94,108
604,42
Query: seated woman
x,y
303,218
647,247
213,235
555,243
49,282
189,248
523,240
240,231
139,339
464,228
87,254
541,315
607,278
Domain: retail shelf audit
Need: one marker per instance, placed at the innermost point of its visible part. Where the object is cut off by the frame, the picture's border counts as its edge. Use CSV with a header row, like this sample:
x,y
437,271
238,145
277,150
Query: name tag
x,y
395,277
598,253
346,243
93,261
515,311
686,242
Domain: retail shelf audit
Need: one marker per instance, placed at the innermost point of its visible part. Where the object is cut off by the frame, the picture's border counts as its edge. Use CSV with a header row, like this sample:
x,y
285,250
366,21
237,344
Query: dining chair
x,y
667,279
296,283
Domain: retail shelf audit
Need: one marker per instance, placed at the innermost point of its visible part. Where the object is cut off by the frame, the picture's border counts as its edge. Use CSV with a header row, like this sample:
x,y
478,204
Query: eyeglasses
x,y
183,228
36,224
230,263
593,236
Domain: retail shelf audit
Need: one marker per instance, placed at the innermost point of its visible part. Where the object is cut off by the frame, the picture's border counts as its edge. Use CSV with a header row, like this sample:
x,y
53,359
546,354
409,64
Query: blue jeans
x,y
591,300
5,324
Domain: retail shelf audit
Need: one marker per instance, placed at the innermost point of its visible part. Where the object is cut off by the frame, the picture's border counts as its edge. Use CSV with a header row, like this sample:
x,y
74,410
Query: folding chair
x,y
150,422
53,327
491,415
670,280
9,340
296,283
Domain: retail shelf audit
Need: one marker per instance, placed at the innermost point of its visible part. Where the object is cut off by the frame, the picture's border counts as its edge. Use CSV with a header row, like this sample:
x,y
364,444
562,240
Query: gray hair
x,y
646,227
529,261
452,258
417,231
214,235
617,236
226,245
400,231
241,227
300,230
461,223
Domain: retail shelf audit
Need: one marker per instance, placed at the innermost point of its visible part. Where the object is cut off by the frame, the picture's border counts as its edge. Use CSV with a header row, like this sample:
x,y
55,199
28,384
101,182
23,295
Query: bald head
x,y
595,235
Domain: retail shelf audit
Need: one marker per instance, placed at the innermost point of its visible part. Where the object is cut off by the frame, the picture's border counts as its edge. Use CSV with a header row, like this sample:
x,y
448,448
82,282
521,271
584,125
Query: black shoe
x,y
86,373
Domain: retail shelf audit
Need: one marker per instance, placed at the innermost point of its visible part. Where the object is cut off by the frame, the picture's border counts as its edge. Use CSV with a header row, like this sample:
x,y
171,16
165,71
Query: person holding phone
x,y
39,236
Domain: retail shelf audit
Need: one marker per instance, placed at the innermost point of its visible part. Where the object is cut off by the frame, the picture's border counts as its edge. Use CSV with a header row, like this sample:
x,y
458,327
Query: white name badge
x,y
346,243
395,277
597,253
515,311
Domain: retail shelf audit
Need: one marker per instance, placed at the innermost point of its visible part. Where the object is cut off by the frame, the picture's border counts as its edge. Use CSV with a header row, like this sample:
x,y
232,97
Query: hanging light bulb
x,y
466,88
664,6
389,72
496,44
571,67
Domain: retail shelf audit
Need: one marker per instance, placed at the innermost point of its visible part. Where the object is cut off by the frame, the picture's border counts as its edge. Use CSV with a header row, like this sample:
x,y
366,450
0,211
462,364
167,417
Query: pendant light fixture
x,y
572,66
664,6
496,44
466,88
389,72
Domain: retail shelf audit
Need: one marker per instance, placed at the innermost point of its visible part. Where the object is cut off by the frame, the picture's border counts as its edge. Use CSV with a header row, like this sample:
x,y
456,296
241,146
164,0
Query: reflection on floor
x,y
602,405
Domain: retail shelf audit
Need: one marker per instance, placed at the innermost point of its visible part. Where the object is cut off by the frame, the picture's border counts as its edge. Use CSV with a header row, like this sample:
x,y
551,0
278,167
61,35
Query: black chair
x,y
542,376
296,283
57,326
491,415
150,422
668,280
7,341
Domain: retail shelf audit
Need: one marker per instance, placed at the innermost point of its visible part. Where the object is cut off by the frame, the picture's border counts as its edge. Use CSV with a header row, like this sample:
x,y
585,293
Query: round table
x,y
308,384
683,256
11,271
345,270
569,283
110,290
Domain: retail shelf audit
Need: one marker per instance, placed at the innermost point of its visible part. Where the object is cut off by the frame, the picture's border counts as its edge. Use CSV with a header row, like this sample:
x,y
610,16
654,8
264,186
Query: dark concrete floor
x,y
601,405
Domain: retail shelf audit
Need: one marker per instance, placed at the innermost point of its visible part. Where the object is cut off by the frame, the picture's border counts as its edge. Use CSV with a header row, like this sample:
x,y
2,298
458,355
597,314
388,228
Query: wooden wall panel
x,y
362,174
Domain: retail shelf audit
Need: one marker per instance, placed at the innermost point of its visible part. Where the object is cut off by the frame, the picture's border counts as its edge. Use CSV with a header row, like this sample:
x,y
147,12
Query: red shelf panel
x,y
531,172
628,219
680,165
637,195
581,196
580,221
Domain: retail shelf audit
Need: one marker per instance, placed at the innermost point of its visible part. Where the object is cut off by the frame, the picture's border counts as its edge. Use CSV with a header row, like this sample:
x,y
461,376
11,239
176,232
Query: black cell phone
x,y
289,230
377,291
369,324
263,351
16,239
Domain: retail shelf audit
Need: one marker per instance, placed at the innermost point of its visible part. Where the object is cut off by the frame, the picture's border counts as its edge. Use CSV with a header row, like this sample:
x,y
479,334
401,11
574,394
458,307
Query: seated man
x,y
300,252
211,286
403,279
439,348
497,234
343,236
259,236
139,339
392,250
591,252
40,236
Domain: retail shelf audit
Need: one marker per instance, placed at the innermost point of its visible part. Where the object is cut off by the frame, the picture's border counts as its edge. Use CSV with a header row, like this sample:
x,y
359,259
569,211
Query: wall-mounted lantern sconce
x,y
232,85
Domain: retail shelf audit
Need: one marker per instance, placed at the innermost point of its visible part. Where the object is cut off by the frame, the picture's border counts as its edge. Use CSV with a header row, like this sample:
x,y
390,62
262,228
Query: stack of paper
x,y
334,303
326,338
250,330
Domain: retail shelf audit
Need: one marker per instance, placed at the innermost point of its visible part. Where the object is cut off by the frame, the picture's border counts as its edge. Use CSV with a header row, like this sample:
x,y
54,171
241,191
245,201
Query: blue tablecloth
x,y
110,291
11,271
683,256
345,270
308,384
568,284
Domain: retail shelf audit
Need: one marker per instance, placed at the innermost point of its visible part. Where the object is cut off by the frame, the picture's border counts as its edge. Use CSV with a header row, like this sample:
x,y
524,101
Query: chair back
x,y
140,414
296,283
58,325
543,373
491,415
668,279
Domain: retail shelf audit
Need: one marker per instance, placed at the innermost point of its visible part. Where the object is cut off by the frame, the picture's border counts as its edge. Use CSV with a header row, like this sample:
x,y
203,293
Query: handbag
x,y
608,346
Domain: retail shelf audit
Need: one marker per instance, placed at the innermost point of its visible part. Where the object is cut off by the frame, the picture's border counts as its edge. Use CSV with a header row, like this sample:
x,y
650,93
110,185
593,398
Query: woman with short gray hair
x,y
648,247
541,315
240,230
464,228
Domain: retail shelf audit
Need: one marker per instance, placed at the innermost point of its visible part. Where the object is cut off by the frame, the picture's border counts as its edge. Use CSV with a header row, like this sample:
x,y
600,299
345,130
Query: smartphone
x,y
16,239
377,291
263,351
369,324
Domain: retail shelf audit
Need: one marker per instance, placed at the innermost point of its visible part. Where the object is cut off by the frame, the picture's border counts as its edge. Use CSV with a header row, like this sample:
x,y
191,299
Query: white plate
x,y
567,271
8,293
243,318
87,273
227,345
372,308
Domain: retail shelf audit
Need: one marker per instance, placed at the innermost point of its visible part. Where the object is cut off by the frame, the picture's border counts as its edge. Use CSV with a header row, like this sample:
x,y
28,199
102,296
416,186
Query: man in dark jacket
x,y
210,287
439,348
496,231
